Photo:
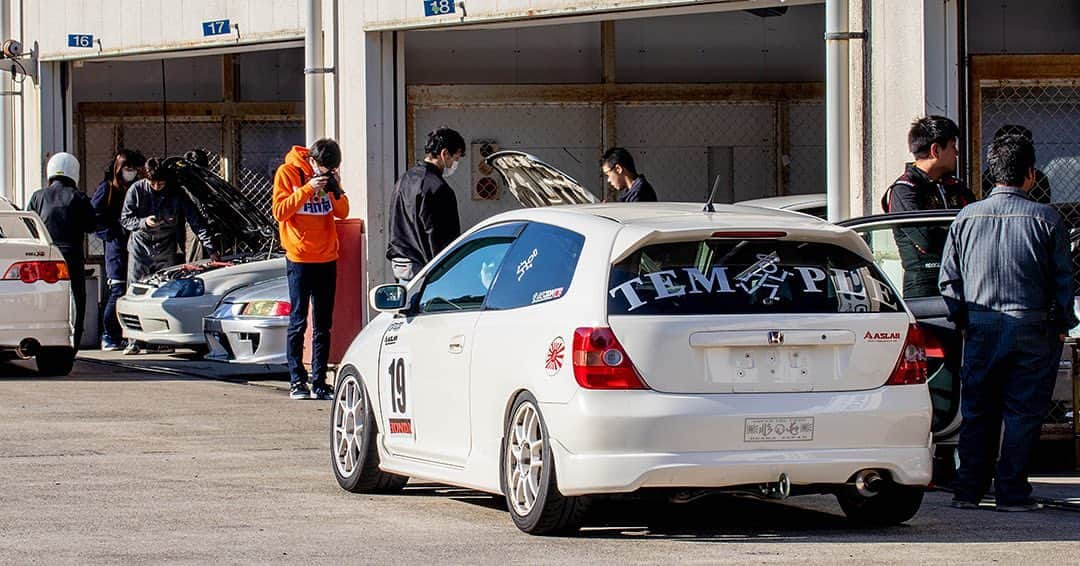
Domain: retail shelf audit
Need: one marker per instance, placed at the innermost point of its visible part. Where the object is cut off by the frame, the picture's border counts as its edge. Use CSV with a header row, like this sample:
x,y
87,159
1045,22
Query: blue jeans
x,y
1007,375
311,284
112,332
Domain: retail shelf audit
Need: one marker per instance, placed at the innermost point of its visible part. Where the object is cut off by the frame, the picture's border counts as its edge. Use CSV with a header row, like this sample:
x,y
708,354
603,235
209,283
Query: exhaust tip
x,y
869,483
27,348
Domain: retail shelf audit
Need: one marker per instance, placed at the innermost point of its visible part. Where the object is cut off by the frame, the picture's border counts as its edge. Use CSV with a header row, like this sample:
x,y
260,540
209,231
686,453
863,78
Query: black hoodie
x,y
423,215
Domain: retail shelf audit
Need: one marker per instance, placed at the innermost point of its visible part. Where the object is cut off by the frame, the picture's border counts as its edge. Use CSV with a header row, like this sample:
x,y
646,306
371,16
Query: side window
x,y
538,269
460,282
909,253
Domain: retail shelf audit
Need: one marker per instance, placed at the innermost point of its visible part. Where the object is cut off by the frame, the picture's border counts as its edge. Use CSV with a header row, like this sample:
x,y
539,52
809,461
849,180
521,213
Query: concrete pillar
x,y
897,88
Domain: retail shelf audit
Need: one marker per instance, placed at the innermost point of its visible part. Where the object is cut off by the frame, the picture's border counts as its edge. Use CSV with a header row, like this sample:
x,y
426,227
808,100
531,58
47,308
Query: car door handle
x,y
457,344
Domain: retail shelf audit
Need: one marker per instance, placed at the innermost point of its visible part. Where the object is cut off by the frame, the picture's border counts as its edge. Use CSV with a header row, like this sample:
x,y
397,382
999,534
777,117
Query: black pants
x,y
77,271
112,331
1008,377
310,284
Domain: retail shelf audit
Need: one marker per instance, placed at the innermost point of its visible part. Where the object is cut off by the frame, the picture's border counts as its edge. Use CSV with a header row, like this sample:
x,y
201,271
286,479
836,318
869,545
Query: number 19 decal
x,y
400,417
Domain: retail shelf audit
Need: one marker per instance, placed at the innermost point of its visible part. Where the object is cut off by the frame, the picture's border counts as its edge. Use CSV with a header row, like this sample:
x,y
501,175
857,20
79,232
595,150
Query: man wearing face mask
x,y
423,209
307,198
120,173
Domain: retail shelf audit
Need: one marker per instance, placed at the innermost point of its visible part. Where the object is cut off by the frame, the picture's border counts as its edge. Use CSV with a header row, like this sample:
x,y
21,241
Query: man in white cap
x,y
68,216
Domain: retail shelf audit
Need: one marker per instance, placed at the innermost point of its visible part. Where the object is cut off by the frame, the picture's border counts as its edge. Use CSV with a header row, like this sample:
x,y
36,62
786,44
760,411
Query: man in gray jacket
x,y
1006,276
155,213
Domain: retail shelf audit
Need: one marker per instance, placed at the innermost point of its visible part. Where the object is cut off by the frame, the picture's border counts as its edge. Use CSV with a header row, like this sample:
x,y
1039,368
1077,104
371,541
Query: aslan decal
x,y
882,337
526,264
554,360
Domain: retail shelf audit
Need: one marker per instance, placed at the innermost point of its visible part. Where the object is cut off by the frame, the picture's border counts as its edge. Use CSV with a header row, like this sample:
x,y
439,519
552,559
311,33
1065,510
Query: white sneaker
x,y
132,349
110,346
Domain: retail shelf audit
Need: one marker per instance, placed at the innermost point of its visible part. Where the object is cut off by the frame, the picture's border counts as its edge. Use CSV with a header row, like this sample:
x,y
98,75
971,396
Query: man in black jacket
x,y
68,216
423,209
618,167
928,183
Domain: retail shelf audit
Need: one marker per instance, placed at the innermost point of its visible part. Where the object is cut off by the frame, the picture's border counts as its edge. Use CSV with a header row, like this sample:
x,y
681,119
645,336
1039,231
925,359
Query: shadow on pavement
x,y
85,371
734,518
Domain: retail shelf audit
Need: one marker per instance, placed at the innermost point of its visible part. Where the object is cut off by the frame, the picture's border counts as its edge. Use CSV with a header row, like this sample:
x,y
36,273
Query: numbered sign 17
x,y
84,40
438,7
216,27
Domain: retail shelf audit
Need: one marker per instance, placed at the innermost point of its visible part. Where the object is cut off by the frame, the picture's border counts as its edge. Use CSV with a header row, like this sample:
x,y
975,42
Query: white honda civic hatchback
x,y
554,354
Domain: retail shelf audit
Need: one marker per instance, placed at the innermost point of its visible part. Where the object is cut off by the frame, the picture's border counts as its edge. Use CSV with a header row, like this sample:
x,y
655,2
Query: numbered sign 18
x,y
438,7
216,27
83,40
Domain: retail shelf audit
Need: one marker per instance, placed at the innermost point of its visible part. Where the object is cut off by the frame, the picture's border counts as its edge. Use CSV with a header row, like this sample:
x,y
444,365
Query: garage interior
x,y
735,96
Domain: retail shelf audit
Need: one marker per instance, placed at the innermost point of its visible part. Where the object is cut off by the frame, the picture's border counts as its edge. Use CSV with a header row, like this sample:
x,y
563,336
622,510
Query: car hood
x,y
273,290
211,272
229,215
535,183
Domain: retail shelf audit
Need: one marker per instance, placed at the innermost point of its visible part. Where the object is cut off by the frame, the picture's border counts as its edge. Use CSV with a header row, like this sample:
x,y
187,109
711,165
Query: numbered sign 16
x,y
216,27
438,7
83,40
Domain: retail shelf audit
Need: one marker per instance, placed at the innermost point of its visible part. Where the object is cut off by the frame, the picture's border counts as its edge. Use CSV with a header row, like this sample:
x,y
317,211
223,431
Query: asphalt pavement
x,y
152,464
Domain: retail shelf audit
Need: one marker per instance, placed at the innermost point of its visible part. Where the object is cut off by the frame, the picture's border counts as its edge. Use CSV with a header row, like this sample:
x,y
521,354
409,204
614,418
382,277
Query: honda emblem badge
x,y
776,337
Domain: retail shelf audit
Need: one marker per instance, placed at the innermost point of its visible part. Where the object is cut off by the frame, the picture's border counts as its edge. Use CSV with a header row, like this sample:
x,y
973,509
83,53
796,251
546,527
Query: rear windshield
x,y
729,276
14,226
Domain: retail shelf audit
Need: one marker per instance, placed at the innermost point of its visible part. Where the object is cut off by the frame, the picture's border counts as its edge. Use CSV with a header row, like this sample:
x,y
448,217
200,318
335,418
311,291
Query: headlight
x,y
266,308
180,288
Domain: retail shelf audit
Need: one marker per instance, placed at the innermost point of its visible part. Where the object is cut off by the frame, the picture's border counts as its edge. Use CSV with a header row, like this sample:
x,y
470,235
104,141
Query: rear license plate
x,y
778,429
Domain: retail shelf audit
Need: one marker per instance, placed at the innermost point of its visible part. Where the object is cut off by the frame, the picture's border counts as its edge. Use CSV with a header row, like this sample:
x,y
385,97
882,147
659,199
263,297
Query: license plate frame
x,y
778,429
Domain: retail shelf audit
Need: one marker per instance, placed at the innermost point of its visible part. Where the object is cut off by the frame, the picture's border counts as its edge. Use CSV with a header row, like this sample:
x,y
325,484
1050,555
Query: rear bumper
x,y
35,310
620,441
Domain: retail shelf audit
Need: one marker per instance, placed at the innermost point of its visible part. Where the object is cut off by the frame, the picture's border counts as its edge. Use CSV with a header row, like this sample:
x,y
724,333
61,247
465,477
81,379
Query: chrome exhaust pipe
x,y
779,490
869,483
27,348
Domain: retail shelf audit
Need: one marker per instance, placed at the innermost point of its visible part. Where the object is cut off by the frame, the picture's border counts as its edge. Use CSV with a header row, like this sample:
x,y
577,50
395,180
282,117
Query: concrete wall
x,y
128,26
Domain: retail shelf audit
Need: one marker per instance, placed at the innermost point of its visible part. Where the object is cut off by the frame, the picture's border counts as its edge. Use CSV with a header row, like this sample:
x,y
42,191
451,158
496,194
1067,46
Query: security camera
x,y
12,49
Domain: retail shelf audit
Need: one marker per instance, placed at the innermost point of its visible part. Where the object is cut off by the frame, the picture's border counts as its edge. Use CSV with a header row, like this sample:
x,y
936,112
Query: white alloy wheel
x,y
525,459
350,418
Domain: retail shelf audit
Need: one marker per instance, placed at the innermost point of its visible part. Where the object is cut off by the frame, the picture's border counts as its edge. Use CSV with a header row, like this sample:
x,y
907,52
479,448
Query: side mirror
x,y
388,298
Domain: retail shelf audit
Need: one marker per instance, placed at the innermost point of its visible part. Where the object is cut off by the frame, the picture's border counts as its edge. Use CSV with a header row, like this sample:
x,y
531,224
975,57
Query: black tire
x,y
55,361
364,475
895,504
551,512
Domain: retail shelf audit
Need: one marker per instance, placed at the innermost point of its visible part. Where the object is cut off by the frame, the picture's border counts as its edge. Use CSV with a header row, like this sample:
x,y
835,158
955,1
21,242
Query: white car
x,y
250,325
552,354
35,295
167,308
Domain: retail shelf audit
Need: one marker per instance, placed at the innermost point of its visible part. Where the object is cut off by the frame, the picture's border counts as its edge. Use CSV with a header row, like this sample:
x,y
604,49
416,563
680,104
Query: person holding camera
x,y
307,198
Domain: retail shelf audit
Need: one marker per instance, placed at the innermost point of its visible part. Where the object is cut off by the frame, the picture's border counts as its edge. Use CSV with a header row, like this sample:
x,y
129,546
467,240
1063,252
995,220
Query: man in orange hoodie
x,y
307,198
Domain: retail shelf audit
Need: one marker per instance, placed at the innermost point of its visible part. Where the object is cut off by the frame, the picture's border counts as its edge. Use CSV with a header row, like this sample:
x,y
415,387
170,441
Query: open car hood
x,y
196,268
535,183
229,215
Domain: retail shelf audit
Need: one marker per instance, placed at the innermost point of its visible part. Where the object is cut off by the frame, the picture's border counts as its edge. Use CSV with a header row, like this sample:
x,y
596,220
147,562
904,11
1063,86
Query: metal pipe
x,y
837,110
5,122
313,70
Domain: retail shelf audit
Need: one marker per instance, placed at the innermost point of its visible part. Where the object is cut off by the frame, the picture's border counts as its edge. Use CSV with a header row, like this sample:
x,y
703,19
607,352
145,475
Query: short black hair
x,y
930,130
1013,129
619,156
155,170
326,152
444,138
1009,159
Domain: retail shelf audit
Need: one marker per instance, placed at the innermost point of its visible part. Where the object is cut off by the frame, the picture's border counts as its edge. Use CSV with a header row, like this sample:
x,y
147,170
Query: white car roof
x,y
632,223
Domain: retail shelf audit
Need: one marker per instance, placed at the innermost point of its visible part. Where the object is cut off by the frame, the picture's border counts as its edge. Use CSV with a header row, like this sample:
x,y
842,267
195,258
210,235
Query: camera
x,y
12,49
332,185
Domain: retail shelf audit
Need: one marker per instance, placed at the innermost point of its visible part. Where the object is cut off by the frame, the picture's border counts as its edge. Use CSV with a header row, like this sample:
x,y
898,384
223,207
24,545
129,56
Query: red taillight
x,y
282,309
600,362
911,367
33,271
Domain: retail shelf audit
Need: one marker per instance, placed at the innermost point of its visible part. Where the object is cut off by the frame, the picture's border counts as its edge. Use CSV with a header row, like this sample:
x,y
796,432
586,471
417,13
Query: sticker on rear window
x,y
542,296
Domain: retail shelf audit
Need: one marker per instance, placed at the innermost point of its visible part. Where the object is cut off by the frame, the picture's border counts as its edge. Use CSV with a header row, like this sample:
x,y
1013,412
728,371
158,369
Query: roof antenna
x,y
712,195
